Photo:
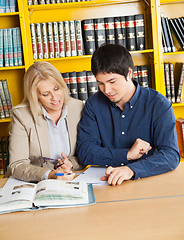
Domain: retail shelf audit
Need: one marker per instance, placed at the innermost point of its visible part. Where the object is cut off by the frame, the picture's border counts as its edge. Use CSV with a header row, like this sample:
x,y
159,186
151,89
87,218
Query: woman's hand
x,y
64,163
68,176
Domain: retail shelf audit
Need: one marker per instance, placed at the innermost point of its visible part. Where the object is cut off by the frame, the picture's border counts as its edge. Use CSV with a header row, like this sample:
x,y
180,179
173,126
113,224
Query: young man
x,y
128,128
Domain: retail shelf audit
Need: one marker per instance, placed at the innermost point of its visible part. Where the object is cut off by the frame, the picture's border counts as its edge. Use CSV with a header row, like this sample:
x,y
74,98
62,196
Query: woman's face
x,y
50,95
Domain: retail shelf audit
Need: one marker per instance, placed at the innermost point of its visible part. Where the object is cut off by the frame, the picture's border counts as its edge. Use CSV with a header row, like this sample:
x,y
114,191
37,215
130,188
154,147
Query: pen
x,y
51,159
62,174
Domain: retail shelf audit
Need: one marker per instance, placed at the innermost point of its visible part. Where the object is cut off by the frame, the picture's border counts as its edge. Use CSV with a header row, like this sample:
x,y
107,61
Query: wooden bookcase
x,y
153,55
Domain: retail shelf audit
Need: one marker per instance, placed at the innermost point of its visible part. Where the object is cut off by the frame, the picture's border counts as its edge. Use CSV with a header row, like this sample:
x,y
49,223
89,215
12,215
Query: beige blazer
x,y
30,140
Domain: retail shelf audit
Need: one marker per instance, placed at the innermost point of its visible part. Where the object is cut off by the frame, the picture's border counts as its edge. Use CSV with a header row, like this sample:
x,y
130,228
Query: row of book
x,y
10,47
174,76
76,37
56,39
37,2
8,6
4,154
180,135
83,84
5,100
173,27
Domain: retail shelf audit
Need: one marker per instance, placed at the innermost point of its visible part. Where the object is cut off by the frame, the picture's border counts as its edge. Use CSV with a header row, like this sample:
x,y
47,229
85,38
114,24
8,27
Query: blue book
x,y
5,40
7,6
19,47
2,6
10,47
14,37
12,5
1,47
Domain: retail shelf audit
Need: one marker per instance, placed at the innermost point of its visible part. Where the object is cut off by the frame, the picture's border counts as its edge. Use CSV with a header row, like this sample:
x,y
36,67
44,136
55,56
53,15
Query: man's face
x,y
116,87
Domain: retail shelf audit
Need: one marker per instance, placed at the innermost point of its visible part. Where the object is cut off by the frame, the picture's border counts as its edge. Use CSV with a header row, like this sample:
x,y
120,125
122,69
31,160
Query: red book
x,y
180,135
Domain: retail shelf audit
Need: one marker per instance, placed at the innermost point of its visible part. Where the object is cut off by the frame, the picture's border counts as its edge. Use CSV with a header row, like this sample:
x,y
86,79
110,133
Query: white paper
x,y
93,176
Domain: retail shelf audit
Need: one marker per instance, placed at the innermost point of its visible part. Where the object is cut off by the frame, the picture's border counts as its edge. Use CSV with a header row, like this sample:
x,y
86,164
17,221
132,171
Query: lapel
x,y
71,122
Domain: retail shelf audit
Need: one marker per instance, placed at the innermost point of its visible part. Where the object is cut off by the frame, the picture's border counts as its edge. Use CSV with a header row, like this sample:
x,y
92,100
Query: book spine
x,y
5,143
33,40
135,74
171,72
56,39
29,2
67,80
50,40
173,49
92,84
180,87
72,38
88,36
2,6
100,37
39,40
143,76
10,47
19,47
165,32
109,30
12,5
44,39
73,85
130,33
1,48
167,81
1,159
7,95
119,38
175,31
5,40
42,2
67,39
15,51
176,22
79,41
5,107
47,1
35,2
61,39
139,31
7,6
82,86
2,114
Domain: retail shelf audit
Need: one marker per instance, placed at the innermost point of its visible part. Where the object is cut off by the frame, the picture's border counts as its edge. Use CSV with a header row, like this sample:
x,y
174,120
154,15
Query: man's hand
x,y
64,163
138,149
115,176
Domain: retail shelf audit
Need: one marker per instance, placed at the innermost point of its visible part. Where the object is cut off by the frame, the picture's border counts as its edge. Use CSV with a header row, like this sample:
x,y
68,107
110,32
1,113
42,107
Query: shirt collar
x,y
63,115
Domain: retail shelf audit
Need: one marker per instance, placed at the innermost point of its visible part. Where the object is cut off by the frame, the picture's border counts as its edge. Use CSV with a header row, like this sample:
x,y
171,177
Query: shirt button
x,y
106,165
131,106
123,133
123,116
122,164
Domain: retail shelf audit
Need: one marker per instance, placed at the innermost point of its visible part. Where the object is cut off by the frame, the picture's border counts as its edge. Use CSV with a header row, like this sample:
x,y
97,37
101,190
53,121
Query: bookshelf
x,y
173,9
152,55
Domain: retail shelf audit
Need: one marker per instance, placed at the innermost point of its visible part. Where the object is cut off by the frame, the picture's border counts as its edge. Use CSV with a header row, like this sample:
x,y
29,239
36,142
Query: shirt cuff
x,y
46,175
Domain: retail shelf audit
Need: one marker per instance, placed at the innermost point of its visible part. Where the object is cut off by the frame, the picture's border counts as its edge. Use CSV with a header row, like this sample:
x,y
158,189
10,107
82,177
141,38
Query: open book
x,y
18,195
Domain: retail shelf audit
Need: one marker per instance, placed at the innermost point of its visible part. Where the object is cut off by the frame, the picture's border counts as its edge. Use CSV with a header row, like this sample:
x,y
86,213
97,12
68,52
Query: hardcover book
x,y
120,30
50,40
55,39
176,33
39,40
130,33
2,114
7,95
82,86
79,40
73,38
88,36
171,73
167,81
109,30
61,39
165,32
139,31
173,49
143,75
178,78
67,39
5,41
3,98
91,83
24,196
66,79
73,85
100,36
10,47
15,51
45,41
33,40
19,47
1,48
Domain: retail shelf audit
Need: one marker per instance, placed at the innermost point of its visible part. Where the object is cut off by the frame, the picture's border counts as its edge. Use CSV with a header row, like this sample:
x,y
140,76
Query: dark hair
x,y
111,58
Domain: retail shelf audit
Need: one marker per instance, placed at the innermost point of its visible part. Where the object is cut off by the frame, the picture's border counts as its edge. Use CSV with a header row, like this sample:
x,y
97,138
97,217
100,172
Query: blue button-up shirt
x,y
106,133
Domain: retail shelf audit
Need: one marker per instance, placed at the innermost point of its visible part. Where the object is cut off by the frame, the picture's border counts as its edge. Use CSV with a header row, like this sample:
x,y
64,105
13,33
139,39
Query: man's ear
x,y
130,74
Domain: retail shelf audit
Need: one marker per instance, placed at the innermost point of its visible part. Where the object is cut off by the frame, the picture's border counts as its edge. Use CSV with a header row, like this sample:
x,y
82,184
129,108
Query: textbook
x,y
18,195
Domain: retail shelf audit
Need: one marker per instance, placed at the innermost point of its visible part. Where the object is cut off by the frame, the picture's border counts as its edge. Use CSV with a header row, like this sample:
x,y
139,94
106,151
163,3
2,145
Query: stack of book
x,y
56,39
172,29
174,81
81,84
140,75
125,30
4,153
36,2
10,47
5,100
8,6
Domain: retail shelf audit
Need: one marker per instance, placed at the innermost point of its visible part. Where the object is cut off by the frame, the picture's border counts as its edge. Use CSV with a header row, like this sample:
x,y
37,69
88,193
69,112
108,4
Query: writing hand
x,y
64,163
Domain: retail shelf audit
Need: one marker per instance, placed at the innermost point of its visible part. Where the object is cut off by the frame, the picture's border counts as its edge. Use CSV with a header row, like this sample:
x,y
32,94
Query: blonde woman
x,y
44,127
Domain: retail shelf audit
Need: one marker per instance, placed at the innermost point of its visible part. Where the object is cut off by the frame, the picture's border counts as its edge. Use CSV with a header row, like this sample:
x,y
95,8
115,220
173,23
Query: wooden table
x,y
149,208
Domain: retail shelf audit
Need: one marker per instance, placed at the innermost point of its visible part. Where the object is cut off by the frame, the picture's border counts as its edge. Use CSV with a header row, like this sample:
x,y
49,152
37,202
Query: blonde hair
x,y
36,73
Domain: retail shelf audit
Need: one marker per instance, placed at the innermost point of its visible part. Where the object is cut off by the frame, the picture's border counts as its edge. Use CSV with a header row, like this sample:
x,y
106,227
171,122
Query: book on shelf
x,y
4,143
1,159
110,30
135,74
167,81
79,40
2,6
2,113
165,32
10,47
174,29
178,77
82,86
19,47
1,48
5,45
143,78
130,32
39,40
4,101
55,39
100,36
44,40
67,39
88,36
33,40
50,40
171,74
120,30
92,84
61,39
8,6
73,38
179,28
139,31
173,49
73,85
180,135
15,50
19,195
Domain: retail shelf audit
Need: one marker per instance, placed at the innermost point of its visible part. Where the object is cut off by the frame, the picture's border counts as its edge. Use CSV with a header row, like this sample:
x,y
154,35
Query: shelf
x,y
173,53
77,4
5,120
12,68
9,14
162,2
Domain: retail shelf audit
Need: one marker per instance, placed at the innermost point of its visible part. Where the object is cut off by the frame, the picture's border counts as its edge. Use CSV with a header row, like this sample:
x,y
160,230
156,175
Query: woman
x,y
44,126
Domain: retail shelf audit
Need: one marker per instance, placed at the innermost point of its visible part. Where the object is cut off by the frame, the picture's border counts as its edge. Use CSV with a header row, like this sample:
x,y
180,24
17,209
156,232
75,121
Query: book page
x,y
93,175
